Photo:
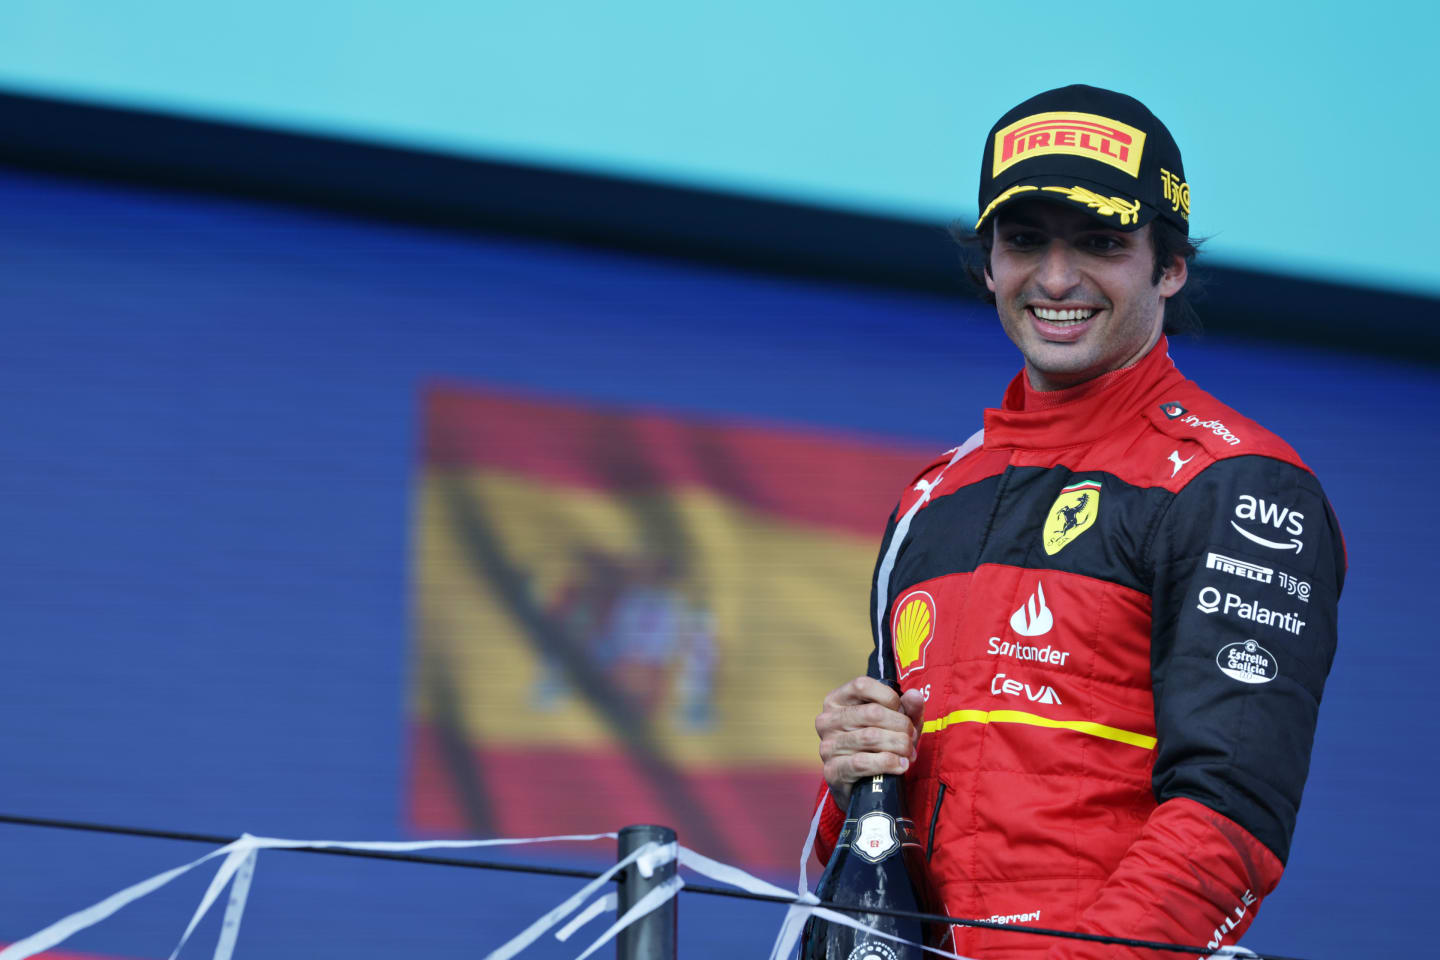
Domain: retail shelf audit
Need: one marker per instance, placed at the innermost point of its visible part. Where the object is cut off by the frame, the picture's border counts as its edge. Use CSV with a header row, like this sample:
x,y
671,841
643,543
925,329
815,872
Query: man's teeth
x,y
1061,316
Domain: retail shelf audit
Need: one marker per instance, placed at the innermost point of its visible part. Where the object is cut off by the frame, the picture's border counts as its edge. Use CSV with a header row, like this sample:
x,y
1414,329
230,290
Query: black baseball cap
x,y
1095,149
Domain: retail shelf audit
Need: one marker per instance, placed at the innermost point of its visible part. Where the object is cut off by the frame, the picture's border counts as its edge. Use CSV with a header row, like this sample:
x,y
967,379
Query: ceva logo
x,y
1009,687
1034,618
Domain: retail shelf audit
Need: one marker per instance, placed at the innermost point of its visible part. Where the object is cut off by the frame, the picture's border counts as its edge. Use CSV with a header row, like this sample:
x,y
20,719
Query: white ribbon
x,y
651,860
725,873
605,904
651,901
795,917
237,854
241,857
243,850
60,930
239,893
533,932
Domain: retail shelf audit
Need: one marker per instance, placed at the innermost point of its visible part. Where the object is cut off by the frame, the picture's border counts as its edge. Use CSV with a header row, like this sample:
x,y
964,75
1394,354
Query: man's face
x,y
1074,295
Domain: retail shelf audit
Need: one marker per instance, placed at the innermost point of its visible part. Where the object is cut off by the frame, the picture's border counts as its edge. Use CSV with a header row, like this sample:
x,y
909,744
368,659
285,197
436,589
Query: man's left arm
x,y
1248,565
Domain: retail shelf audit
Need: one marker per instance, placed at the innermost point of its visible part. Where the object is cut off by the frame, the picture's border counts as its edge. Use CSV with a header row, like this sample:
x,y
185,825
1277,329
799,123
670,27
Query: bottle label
x,y
875,836
904,827
873,950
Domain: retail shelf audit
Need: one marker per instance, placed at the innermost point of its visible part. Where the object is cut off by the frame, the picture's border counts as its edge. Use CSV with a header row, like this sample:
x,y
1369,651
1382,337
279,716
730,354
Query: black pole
x,y
652,937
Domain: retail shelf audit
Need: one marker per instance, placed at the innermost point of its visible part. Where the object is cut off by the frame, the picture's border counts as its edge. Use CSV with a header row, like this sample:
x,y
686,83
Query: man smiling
x,y
1142,777
1074,295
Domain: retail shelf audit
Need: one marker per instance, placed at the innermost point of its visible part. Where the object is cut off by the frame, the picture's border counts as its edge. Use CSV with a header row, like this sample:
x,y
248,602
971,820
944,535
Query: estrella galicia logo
x,y
1172,410
1247,662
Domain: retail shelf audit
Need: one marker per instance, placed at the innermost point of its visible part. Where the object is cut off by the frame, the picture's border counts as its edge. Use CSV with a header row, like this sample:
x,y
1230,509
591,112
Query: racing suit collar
x,y
1029,418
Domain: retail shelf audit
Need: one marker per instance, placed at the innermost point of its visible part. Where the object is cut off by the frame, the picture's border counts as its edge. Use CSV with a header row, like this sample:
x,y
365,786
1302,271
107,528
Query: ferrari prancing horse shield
x,y
1071,514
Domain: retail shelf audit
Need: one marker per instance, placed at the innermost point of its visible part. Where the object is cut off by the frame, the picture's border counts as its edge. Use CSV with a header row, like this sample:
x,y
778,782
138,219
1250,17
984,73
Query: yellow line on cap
x,y
1034,720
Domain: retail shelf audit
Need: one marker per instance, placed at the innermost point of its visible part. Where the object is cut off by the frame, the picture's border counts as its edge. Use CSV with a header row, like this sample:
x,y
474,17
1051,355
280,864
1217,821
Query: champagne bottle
x,y
877,862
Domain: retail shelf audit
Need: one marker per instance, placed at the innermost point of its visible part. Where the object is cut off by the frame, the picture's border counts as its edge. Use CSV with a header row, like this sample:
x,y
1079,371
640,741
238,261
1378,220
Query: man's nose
x,y
1058,273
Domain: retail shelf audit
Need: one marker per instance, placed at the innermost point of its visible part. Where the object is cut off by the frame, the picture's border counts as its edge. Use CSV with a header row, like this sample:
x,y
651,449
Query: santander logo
x,y
1034,619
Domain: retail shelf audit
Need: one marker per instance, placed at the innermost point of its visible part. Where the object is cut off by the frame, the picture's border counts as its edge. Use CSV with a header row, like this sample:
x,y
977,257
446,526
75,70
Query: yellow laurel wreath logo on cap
x,y
1127,210
1001,199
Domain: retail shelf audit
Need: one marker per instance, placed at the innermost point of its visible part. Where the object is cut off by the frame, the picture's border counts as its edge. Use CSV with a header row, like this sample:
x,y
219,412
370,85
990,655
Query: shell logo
x,y
911,629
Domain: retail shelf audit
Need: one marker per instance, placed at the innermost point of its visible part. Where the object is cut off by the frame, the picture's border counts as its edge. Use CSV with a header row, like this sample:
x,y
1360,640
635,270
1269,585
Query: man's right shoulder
x,y
945,469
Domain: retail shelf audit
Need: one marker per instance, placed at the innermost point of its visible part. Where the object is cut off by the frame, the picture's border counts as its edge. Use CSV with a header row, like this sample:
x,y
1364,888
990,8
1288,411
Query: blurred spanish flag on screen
x,y
633,617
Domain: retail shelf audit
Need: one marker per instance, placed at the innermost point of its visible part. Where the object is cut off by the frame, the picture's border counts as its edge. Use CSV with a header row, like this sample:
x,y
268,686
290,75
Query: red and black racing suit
x,y
1120,603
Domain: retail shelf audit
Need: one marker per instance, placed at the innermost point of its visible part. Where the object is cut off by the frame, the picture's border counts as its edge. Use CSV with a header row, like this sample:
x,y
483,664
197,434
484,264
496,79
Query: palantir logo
x,y
1209,600
1034,618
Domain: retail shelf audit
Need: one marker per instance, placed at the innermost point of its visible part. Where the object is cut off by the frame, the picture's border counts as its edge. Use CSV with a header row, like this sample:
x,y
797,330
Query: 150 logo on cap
x,y
1078,134
1177,191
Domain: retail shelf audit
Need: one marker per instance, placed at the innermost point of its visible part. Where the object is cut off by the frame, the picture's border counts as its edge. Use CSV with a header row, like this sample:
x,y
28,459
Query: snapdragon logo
x,y
1214,426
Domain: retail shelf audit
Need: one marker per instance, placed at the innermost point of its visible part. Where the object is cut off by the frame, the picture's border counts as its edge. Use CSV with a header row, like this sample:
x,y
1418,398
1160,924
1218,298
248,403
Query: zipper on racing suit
x,y
934,819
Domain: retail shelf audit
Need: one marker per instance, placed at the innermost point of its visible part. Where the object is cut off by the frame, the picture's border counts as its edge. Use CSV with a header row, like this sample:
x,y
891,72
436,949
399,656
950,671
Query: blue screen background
x,y
210,412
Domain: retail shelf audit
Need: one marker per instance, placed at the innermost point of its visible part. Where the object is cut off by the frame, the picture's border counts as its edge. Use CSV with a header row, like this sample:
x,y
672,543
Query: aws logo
x,y
912,627
1283,519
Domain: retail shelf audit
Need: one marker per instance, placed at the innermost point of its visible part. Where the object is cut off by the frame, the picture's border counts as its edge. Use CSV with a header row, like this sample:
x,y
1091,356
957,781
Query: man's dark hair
x,y
1166,241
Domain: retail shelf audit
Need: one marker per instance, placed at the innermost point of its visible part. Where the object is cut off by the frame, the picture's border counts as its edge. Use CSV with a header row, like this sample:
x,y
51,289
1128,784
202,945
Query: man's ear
x,y
990,281
1174,277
